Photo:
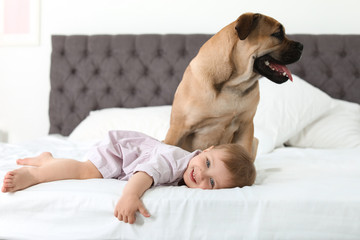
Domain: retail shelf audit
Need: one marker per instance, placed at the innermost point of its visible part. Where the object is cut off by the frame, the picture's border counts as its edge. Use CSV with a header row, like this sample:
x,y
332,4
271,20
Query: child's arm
x,y
130,201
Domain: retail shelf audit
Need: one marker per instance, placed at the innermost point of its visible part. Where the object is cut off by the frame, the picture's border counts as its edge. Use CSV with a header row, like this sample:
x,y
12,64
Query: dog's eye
x,y
278,35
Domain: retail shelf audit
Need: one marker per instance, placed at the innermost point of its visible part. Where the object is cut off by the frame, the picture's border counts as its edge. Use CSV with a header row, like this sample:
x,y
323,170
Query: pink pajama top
x,y
124,153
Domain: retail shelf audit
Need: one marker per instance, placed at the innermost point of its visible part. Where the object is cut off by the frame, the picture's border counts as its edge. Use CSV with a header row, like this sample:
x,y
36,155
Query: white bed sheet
x,y
299,194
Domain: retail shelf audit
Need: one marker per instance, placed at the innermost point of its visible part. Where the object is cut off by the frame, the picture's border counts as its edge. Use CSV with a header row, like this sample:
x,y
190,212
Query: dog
x,y
216,100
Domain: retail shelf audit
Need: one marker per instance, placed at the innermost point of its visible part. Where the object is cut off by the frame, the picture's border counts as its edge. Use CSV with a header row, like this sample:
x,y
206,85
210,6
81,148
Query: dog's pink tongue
x,y
282,68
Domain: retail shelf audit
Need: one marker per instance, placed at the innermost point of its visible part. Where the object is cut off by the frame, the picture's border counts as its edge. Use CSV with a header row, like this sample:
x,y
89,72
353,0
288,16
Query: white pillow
x,y
266,140
338,128
285,109
153,121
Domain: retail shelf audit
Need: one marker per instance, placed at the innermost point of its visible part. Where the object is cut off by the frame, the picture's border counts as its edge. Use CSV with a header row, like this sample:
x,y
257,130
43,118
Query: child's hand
x,y
127,206
130,201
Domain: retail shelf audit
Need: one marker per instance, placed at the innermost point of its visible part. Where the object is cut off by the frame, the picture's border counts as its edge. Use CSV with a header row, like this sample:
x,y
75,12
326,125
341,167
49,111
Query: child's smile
x,y
192,176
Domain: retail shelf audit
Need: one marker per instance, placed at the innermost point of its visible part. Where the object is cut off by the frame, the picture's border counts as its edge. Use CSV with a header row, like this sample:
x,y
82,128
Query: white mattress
x,y
299,194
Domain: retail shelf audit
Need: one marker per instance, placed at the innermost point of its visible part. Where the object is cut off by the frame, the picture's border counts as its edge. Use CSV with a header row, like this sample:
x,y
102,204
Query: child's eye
x,y
212,183
207,163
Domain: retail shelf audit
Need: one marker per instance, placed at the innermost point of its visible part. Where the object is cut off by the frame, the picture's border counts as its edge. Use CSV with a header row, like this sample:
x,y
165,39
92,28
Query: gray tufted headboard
x,y
102,71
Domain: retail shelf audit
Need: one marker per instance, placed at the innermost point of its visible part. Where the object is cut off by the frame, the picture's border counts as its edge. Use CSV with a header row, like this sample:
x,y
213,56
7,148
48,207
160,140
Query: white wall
x,y
24,71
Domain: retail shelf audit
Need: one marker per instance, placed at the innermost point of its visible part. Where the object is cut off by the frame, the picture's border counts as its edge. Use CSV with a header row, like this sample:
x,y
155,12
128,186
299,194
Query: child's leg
x,y
47,168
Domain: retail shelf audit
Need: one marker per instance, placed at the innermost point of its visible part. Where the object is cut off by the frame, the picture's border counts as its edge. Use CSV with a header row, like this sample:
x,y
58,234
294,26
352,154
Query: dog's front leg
x,y
176,135
245,137
254,148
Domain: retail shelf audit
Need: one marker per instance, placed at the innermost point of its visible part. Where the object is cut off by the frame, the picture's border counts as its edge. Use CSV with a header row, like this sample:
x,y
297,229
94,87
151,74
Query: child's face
x,y
207,170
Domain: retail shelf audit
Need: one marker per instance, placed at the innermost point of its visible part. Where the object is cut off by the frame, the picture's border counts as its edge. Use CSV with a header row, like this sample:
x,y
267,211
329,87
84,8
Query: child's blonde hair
x,y
239,163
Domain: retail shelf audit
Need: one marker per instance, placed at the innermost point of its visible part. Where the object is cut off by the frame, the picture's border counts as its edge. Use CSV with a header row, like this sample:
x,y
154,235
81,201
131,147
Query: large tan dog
x,y
217,98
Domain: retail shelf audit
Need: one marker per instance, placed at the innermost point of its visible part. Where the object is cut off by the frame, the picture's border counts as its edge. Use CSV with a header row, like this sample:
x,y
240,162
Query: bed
x,y
308,163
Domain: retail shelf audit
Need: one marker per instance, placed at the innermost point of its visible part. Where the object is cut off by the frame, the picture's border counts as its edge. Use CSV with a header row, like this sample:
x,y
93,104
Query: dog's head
x,y
273,50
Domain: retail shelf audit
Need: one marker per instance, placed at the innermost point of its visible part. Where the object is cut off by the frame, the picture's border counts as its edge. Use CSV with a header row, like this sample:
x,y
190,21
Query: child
x,y
144,162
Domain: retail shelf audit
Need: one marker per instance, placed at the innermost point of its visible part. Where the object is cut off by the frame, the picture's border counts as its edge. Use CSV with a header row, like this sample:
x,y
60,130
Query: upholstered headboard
x,y
102,71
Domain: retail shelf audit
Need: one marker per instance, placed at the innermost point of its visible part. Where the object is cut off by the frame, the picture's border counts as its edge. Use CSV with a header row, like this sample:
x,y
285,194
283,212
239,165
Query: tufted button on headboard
x,y
103,71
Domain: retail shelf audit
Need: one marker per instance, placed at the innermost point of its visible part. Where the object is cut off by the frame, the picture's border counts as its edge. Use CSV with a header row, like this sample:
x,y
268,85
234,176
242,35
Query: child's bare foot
x,y
38,161
19,179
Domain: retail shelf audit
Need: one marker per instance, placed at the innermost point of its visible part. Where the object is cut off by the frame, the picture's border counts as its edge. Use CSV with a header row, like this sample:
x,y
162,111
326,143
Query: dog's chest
x,y
218,130
236,102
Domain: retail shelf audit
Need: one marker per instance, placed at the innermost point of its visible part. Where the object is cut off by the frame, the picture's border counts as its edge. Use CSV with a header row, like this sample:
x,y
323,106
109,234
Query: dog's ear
x,y
246,23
